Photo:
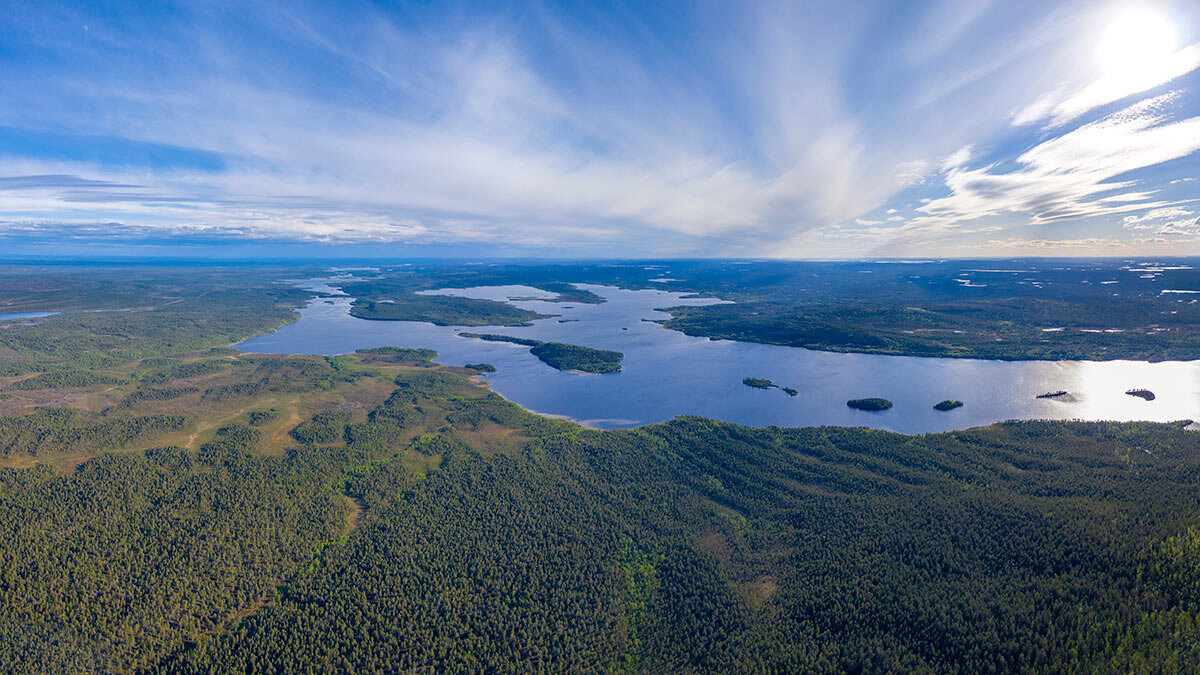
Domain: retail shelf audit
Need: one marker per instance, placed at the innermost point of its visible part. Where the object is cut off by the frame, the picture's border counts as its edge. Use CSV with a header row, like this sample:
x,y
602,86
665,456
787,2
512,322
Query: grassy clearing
x,y
219,396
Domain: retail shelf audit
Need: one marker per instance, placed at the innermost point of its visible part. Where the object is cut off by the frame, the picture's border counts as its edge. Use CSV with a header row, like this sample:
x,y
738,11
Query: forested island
x,y
399,355
948,404
492,337
574,357
444,310
379,512
869,403
562,356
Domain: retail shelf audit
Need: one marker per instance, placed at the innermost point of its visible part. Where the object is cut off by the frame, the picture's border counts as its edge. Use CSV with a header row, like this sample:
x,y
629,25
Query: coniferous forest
x,y
691,337
189,508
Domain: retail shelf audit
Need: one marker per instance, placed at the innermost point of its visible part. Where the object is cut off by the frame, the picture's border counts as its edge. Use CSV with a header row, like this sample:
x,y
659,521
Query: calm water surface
x,y
25,315
667,373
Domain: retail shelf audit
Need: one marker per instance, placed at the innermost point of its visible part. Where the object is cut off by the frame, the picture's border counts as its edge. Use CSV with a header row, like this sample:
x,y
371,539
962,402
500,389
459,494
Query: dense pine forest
x,y
450,529
176,506
621,337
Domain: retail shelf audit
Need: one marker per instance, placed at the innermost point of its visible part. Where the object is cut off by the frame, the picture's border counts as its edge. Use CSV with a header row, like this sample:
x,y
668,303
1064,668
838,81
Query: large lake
x,y
667,373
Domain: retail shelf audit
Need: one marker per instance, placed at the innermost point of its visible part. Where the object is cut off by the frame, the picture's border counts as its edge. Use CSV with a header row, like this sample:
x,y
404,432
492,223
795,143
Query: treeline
x,y
165,370
62,379
160,394
254,376
326,427
258,418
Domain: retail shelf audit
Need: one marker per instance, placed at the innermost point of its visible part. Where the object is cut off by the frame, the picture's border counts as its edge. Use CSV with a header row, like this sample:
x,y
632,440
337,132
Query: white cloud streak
x,y
1072,176
552,130
1059,108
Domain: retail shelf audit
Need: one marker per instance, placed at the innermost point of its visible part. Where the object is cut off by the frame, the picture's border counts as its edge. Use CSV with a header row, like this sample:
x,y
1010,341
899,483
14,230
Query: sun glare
x,y
1135,39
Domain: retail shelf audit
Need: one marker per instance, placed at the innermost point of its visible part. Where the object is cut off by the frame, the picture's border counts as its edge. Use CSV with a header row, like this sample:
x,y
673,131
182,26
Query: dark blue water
x,y
667,373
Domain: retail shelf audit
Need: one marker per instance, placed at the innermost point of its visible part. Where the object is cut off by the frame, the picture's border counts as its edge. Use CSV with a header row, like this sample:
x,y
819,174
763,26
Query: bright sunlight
x,y
1135,39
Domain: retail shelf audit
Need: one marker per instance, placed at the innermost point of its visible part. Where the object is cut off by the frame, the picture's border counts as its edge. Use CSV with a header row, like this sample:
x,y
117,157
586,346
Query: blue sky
x,y
601,129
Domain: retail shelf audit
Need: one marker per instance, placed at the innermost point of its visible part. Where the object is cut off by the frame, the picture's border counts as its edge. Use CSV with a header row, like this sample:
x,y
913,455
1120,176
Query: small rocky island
x,y
1052,394
869,403
1144,394
759,383
948,404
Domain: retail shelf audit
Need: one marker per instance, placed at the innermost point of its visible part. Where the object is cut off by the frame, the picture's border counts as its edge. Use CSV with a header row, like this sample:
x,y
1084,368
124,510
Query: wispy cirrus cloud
x,y
57,181
668,129
1076,175
1062,105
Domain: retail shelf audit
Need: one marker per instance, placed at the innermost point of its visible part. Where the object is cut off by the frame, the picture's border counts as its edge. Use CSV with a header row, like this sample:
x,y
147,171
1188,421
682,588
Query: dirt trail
x,y
355,517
